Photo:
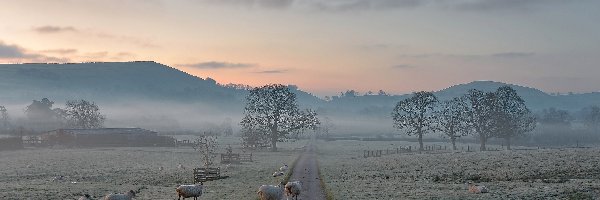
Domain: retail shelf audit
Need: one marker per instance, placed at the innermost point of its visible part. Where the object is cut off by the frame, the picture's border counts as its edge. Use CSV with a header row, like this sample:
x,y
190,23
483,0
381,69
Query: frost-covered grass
x,y
28,174
517,174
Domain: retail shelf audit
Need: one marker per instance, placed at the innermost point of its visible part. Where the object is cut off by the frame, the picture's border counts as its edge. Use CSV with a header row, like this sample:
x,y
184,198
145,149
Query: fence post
x,y
468,148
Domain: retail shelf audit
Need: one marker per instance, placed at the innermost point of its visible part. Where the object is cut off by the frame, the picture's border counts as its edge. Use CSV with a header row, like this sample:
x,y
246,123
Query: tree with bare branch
x,y
206,145
514,118
83,114
272,110
453,119
416,115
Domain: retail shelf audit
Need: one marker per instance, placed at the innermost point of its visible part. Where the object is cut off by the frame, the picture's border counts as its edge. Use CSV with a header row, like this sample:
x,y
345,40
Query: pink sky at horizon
x,y
324,47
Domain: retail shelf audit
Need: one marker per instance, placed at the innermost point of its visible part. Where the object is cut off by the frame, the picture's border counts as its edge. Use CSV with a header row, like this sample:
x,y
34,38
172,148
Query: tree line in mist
x,y
42,115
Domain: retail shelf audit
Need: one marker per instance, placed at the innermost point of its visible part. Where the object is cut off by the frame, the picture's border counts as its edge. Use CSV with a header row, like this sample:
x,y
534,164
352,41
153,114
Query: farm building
x,y
105,137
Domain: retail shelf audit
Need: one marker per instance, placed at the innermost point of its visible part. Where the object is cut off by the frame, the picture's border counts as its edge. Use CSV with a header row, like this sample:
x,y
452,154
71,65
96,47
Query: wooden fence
x,y
379,153
206,174
426,148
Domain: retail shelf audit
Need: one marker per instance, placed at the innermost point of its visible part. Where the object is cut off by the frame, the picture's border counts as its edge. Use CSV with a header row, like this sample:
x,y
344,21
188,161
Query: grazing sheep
x,y
127,196
276,174
85,197
180,166
270,192
283,168
161,168
188,191
292,189
477,189
58,178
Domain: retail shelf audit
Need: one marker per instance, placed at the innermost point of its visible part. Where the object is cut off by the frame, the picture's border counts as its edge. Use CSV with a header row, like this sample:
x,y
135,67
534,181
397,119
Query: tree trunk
x,y
420,141
274,143
508,143
453,139
482,141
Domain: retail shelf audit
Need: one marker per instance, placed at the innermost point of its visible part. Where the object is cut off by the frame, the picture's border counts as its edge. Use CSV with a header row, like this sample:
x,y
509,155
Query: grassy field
x,y
516,174
28,174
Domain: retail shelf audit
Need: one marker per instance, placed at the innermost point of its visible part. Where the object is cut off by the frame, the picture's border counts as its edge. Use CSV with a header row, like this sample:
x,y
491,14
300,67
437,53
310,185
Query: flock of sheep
x,y
276,192
265,192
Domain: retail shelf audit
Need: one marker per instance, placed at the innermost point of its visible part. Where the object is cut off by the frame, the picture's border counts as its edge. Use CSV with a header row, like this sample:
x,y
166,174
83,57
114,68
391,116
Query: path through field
x,y
307,172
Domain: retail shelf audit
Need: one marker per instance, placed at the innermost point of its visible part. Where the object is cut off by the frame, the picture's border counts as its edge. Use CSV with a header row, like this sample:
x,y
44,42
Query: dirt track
x,y
306,171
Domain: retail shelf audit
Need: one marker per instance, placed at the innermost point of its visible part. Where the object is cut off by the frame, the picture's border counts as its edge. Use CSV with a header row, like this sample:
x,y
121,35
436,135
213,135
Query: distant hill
x,y
107,82
146,94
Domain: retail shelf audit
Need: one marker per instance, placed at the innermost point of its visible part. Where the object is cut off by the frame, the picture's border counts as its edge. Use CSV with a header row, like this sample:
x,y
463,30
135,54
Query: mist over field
x,y
299,99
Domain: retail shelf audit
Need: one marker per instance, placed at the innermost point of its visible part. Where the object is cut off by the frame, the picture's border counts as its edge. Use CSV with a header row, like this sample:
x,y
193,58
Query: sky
x,y
323,46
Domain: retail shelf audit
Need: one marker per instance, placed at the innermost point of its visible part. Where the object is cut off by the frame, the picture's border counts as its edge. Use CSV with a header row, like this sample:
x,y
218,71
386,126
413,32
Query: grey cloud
x,y
322,5
54,29
253,3
469,56
513,54
487,5
275,71
22,55
365,5
12,51
219,65
346,5
60,51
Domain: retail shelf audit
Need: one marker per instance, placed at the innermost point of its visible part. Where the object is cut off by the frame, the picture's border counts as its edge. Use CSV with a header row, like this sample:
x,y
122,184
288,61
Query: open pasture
x,y
517,174
30,173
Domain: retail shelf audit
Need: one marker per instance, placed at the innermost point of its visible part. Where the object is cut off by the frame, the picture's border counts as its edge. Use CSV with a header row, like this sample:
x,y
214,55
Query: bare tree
x,y
553,116
514,118
206,145
4,118
226,127
483,110
273,109
453,119
83,114
416,115
591,117
325,128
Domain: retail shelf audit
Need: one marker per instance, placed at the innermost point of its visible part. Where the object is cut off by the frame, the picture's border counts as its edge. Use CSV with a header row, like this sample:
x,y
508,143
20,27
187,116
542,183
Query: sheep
x,y
161,168
127,196
276,174
283,168
58,178
292,189
271,192
180,166
476,189
187,191
85,197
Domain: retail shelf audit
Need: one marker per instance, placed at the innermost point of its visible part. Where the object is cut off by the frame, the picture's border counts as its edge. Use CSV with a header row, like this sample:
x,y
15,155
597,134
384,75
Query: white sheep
x,y
284,168
187,191
293,188
270,192
276,174
85,197
127,196
58,178
180,166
